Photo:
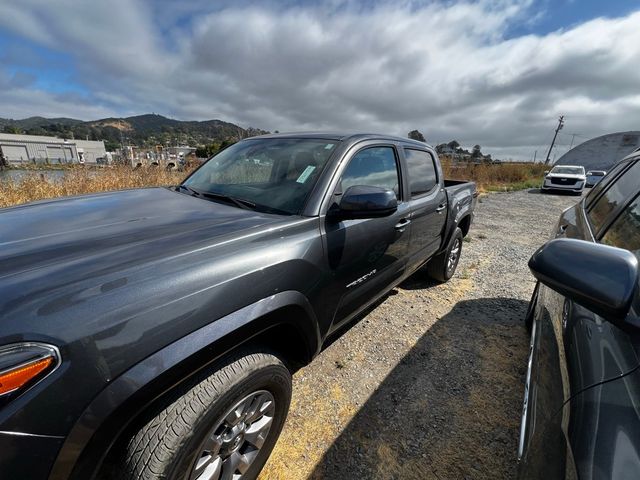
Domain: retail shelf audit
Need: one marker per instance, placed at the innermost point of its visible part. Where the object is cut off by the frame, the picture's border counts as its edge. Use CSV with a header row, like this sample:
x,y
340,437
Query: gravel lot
x,y
429,383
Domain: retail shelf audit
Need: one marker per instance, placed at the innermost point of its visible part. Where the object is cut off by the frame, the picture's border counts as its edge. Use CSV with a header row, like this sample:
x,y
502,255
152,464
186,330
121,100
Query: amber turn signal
x,y
20,376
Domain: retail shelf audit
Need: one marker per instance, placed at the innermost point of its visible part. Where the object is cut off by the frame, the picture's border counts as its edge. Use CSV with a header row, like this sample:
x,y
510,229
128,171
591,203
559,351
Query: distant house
x,y
29,149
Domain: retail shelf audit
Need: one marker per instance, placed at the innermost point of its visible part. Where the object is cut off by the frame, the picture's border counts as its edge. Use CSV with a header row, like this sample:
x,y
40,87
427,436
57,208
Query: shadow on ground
x,y
553,192
451,407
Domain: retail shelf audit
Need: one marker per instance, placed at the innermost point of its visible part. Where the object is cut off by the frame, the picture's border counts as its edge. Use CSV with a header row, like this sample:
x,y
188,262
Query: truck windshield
x,y
273,174
568,170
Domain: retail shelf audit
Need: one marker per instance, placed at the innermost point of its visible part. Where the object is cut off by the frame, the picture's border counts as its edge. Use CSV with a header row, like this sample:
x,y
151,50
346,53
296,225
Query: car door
x,y
574,349
427,203
366,256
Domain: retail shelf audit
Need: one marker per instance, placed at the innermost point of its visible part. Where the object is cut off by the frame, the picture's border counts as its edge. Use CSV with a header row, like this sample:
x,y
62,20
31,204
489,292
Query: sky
x,y
497,73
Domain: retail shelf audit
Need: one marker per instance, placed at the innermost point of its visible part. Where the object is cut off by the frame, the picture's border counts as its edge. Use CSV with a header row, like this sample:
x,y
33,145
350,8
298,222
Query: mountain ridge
x,y
141,130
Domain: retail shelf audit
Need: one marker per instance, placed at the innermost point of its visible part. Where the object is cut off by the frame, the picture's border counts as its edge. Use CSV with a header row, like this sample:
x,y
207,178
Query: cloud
x,y
447,69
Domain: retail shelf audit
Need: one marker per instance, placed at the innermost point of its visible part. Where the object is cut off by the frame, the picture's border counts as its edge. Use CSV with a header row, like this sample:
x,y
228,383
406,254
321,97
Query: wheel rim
x,y
454,254
236,438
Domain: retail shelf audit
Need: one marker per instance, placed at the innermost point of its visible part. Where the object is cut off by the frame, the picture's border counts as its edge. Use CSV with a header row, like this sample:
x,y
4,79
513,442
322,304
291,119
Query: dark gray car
x,y
581,415
152,333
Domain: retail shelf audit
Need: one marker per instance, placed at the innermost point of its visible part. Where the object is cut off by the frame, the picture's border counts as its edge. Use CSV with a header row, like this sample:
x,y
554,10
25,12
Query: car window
x,y
568,170
624,232
374,166
604,182
617,194
421,170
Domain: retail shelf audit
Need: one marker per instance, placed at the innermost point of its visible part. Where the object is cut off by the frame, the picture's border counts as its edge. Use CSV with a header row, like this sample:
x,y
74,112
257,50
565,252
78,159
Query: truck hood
x,y
134,225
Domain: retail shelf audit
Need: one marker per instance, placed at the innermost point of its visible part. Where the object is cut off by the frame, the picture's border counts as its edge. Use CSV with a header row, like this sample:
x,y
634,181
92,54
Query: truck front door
x,y
366,256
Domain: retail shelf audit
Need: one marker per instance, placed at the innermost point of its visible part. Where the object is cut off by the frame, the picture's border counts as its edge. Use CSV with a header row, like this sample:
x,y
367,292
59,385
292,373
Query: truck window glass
x,y
422,171
276,174
375,166
617,194
624,232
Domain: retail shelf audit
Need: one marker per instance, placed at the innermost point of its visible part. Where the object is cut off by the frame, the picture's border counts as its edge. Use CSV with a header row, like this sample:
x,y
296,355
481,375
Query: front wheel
x,y
222,427
443,266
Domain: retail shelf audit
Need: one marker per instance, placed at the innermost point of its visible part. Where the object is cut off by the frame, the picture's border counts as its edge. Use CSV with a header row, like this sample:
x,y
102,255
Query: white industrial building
x,y
29,149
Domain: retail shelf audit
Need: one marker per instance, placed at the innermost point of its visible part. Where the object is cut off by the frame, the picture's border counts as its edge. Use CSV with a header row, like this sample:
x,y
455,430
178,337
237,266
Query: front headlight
x,y
24,364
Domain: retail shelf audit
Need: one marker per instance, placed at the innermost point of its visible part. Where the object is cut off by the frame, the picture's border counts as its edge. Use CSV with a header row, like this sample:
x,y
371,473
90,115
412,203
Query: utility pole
x,y
555,135
573,137
535,154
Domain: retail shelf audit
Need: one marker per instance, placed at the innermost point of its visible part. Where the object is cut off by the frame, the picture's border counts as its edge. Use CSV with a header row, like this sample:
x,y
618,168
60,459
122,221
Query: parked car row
x,y
581,413
138,345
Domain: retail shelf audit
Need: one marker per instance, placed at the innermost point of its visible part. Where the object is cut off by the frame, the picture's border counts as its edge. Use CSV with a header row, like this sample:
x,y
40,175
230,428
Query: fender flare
x,y
110,412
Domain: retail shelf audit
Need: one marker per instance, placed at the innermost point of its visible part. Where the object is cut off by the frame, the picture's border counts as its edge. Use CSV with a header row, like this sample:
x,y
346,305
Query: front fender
x,y
112,410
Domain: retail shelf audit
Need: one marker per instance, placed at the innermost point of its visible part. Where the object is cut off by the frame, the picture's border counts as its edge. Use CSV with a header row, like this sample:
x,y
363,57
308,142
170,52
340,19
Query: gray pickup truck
x,y
152,333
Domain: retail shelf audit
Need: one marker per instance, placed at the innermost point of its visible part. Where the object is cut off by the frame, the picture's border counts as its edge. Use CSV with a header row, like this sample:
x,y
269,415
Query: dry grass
x,y
34,185
497,177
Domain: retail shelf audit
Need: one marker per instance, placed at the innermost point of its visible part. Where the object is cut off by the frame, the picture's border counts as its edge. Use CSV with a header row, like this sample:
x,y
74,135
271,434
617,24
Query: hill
x,y
140,130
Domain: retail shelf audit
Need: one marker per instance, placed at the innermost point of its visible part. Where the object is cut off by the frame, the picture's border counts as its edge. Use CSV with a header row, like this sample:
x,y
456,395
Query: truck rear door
x,y
427,204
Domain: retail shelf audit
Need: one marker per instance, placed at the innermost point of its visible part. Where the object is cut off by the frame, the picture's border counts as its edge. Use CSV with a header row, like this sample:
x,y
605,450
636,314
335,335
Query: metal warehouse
x,y
23,149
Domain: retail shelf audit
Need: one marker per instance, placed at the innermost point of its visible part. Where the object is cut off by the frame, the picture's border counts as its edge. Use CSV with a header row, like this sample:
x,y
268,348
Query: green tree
x,y
11,129
416,135
476,153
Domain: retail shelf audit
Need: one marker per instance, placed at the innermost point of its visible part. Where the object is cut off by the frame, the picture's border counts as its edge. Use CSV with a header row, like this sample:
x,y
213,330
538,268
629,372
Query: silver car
x,y
593,177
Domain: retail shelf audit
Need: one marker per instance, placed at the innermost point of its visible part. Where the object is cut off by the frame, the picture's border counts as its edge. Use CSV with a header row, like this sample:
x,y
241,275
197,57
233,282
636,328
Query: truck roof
x,y
343,136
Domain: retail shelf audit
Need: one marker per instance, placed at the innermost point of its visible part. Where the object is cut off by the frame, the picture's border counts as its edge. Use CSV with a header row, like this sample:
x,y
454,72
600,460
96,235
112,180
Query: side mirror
x,y
546,172
362,201
598,277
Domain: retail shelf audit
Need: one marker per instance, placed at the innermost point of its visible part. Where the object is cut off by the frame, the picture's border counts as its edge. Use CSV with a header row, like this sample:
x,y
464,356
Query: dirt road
x,y
429,384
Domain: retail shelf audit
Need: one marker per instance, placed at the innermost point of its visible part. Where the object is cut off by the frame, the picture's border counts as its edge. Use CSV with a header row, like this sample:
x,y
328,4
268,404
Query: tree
x,y
476,153
11,129
453,145
416,135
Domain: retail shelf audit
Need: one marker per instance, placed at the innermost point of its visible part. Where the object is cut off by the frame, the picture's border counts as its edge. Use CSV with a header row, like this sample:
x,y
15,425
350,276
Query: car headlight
x,y
24,364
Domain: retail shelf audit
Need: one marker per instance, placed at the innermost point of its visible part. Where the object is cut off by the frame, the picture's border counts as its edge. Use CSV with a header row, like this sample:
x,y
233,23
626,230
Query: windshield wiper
x,y
238,202
188,189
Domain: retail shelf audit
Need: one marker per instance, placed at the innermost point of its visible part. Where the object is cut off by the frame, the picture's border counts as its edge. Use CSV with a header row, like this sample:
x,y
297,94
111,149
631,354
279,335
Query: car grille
x,y
563,181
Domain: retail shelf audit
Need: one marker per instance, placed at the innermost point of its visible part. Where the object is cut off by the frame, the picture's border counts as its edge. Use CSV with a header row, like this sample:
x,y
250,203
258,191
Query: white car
x,y
593,177
570,178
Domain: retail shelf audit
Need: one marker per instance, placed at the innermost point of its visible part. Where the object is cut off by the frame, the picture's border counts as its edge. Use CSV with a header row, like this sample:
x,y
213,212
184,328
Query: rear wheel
x,y
222,427
443,266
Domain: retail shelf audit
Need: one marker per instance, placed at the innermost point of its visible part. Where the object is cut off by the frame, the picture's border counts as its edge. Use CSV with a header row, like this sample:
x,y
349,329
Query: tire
x,y
228,421
528,319
443,266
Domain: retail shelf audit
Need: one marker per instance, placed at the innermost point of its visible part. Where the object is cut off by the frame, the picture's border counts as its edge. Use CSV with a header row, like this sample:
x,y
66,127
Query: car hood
x,y
578,176
135,225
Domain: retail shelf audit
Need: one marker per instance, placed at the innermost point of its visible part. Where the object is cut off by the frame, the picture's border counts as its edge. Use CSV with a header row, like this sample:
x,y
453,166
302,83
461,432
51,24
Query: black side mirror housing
x,y
363,201
599,277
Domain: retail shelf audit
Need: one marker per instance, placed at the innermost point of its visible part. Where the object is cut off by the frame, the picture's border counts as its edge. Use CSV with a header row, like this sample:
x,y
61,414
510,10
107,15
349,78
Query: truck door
x,y
428,205
366,256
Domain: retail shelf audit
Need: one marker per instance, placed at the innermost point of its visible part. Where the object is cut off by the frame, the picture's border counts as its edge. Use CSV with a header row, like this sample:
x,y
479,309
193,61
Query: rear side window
x,y
604,182
421,170
624,232
375,166
618,193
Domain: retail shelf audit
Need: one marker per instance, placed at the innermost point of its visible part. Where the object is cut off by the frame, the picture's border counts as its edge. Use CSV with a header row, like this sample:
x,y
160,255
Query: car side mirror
x,y
546,172
363,201
598,277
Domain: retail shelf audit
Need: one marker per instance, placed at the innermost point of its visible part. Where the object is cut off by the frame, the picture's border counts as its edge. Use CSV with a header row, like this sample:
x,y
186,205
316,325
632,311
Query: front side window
x,y
274,175
375,167
617,194
624,232
421,171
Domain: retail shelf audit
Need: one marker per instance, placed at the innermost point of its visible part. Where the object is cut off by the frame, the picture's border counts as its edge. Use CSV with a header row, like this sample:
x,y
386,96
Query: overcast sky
x,y
492,72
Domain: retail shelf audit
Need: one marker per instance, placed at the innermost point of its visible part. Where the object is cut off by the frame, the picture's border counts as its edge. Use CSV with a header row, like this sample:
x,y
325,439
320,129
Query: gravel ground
x,y
429,383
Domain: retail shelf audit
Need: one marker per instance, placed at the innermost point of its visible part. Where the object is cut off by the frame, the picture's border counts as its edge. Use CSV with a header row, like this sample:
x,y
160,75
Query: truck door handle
x,y
441,207
402,224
